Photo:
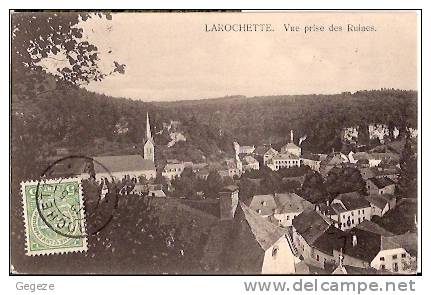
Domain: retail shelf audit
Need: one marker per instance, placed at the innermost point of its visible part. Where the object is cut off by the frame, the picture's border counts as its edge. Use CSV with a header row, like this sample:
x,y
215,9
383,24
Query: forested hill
x,y
92,124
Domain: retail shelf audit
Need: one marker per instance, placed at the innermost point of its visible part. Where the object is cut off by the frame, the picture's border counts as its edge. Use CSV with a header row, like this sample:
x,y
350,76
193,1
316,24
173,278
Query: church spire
x,y
148,143
149,136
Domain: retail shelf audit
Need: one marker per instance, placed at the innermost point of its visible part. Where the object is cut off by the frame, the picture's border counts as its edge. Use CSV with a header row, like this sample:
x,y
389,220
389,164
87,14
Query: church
x,y
133,166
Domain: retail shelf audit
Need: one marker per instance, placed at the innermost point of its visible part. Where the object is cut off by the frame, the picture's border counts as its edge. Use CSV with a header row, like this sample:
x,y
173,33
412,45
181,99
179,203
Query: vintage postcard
x,y
215,143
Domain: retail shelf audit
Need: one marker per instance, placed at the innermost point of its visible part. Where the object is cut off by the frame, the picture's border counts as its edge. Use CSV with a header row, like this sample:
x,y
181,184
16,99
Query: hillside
x,y
94,124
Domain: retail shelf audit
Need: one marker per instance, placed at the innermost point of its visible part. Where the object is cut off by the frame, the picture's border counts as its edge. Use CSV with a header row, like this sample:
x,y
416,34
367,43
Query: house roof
x,y
372,227
310,156
291,203
310,225
249,160
69,167
285,156
352,201
330,239
266,233
122,163
367,247
380,201
265,203
381,182
407,241
290,145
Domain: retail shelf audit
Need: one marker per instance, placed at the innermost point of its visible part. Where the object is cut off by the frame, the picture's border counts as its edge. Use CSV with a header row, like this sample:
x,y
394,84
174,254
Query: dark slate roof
x,y
69,167
331,239
381,182
368,245
353,201
310,225
377,200
372,227
311,157
122,163
291,203
327,210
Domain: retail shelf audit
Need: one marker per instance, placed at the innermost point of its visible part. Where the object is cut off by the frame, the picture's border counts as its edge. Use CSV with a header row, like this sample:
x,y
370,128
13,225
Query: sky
x,y
171,57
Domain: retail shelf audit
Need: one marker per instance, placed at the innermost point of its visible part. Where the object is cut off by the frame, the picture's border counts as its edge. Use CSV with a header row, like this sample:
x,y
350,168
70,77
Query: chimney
x,y
291,135
327,203
228,203
317,208
354,240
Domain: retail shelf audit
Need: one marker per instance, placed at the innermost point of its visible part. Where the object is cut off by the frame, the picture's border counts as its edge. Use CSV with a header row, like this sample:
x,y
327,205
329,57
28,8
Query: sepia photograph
x,y
214,142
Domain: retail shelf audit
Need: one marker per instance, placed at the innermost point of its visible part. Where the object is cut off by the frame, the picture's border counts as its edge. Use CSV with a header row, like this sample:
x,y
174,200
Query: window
x,y
353,213
363,212
287,217
403,255
382,266
395,267
382,258
394,256
359,220
317,257
275,251
353,221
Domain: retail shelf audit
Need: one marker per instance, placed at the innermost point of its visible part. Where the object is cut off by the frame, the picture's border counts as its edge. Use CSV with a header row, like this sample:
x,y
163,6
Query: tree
x,y
344,180
53,42
407,184
213,184
313,188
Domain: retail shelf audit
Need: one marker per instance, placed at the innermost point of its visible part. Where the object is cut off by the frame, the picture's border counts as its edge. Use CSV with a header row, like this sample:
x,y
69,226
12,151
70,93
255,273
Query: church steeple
x,y
149,136
148,143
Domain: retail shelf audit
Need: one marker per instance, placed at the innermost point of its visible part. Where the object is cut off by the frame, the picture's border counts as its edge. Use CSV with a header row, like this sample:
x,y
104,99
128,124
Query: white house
x,y
173,169
289,205
397,254
350,210
284,160
381,204
380,185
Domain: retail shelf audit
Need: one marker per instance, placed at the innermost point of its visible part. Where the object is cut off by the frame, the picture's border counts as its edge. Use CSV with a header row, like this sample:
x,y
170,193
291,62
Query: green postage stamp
x,y
54,216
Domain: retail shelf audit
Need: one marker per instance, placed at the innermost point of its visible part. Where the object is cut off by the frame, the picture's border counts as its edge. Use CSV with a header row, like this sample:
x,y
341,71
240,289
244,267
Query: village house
x,y
380,185
173,169
249,163
289,205
315,238
311,160
268,155
280,208
247,243
397,254
350,210
334,159
244,149
284,160
232,168
381,204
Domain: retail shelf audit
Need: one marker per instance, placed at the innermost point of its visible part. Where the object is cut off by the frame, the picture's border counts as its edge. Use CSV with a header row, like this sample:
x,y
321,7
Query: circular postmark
x,y
61,195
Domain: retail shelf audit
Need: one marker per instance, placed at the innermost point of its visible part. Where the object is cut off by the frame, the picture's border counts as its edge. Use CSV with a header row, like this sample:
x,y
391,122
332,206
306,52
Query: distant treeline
x,y
62,116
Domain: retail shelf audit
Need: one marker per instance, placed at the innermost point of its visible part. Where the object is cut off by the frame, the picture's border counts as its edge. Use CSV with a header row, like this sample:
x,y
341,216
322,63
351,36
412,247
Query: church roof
x,y
122,163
